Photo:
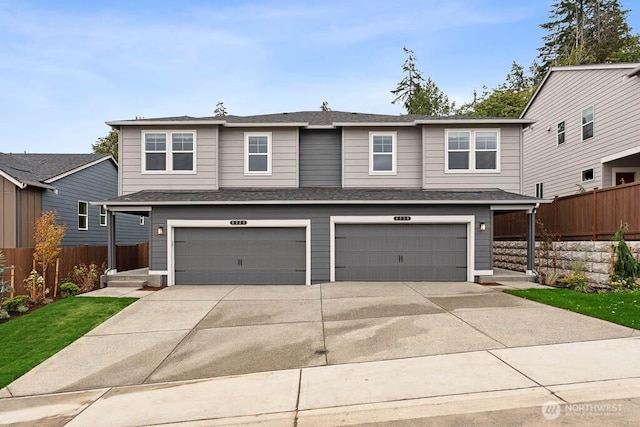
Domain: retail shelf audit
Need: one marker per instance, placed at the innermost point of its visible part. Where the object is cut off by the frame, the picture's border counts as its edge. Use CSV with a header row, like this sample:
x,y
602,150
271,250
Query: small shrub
x,y
22,309
552,278
12,304
33,283
86,276
4,314
625,266
69,289
577,281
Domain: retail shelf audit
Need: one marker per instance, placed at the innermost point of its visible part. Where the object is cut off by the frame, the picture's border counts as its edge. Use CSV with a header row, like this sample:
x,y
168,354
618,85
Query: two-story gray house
x,y
32,183
315,196
586,133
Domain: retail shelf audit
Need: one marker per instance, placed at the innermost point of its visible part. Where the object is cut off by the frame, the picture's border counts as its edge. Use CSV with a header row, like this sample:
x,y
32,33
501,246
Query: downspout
x,y
531,241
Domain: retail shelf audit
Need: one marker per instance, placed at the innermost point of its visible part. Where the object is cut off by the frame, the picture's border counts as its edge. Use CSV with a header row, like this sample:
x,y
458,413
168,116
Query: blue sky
x,y
69,66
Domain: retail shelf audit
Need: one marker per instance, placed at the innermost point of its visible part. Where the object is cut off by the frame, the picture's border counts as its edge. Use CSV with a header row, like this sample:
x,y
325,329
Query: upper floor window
x,y
103,216
540,190
561,129
472,150
257,157
587,123
382,153
169,152
83,215
587,175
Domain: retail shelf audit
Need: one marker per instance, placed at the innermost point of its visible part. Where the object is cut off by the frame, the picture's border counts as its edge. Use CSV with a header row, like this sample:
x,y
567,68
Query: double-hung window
x,y
382,153
472,150
103,216
257,153
169,152
83,215
587,123
561,133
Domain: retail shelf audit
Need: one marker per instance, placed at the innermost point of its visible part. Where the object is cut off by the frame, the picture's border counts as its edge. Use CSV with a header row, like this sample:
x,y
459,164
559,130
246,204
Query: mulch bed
x,y
151,288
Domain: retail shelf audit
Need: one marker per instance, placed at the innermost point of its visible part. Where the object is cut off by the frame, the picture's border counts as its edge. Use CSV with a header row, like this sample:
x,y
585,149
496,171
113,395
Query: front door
x,y
625,177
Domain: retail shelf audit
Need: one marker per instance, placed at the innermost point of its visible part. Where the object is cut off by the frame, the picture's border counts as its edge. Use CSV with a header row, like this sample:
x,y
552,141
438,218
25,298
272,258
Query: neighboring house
x,y
64,183
314,196
586,132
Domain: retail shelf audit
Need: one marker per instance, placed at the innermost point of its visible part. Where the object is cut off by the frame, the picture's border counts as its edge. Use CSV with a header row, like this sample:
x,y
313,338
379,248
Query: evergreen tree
x,y
417,95
107,144
220,110
586,32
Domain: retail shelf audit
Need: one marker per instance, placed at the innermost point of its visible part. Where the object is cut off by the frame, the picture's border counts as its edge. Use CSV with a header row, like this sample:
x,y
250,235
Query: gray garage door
x,y
259,256
388,252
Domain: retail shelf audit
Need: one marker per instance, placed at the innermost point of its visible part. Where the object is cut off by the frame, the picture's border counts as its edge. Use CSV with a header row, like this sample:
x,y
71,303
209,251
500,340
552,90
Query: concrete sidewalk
x,y
474,386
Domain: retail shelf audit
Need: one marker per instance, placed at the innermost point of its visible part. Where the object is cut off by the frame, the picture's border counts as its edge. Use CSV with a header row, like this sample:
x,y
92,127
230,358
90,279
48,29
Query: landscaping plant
x,y
48,237
33,284
86,276
576,280
69,289
625,266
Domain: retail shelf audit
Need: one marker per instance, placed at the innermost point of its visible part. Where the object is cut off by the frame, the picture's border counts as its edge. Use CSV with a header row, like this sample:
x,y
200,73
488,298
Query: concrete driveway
x,y
195,332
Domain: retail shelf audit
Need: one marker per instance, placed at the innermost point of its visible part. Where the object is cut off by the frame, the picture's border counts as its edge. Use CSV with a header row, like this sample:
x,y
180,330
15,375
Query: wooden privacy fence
x,y
594,215
127,258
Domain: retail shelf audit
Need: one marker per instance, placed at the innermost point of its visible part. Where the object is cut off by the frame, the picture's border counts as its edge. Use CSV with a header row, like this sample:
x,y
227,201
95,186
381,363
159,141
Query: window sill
x,y
169,172
389,173
467,171
257,174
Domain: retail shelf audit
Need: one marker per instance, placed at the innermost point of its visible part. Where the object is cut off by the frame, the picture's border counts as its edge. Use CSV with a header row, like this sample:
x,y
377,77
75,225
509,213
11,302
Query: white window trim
x,y
615,170
472,151
169,153
172,224
593,172
141,220
539,185
564,132
593,120
79,215
269,136
394,151
103,216
469,220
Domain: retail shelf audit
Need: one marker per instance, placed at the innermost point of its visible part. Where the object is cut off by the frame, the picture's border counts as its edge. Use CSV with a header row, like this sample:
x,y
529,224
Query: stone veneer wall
x,y
512,255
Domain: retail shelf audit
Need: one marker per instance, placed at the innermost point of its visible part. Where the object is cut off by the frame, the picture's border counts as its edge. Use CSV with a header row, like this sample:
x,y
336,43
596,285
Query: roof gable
x,y
42,169
633,69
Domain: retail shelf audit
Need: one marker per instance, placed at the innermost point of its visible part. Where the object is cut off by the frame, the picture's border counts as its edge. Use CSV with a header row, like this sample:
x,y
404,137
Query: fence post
x,y
594,227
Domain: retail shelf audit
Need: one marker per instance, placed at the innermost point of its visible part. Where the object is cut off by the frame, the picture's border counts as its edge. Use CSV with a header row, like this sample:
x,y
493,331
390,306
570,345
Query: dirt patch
x,y
151,288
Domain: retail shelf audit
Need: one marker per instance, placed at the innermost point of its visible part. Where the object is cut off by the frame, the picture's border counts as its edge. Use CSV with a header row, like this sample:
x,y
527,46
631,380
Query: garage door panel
x,y
384,252
240,255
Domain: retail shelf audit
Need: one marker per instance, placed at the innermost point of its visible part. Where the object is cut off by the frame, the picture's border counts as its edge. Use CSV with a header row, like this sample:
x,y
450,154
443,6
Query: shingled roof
x,y
320,196
41,169
315,118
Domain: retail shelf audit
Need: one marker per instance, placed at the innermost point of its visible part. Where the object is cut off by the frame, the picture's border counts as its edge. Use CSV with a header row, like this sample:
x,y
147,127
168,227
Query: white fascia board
x,y
374,124
614,66
620,155
320,127
79,168
475,122
164,122
266,125
329,202
11,179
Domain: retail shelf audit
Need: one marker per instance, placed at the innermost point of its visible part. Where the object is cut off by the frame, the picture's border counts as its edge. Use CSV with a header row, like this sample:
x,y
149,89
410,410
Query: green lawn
x,y
28,340
621,308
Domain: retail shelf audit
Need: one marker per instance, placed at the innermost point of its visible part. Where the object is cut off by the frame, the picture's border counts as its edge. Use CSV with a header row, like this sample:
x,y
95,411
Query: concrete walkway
x,y
325,355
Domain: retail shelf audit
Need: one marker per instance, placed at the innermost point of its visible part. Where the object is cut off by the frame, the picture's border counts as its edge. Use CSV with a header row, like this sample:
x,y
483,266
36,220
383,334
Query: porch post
x,y
111,240
531,242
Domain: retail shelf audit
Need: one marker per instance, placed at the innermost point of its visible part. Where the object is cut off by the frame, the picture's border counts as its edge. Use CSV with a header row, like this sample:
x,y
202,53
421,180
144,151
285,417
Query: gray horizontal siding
x,y
319,216
132,178
320,158
507,179
284,151
98,182
616,102
356,159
